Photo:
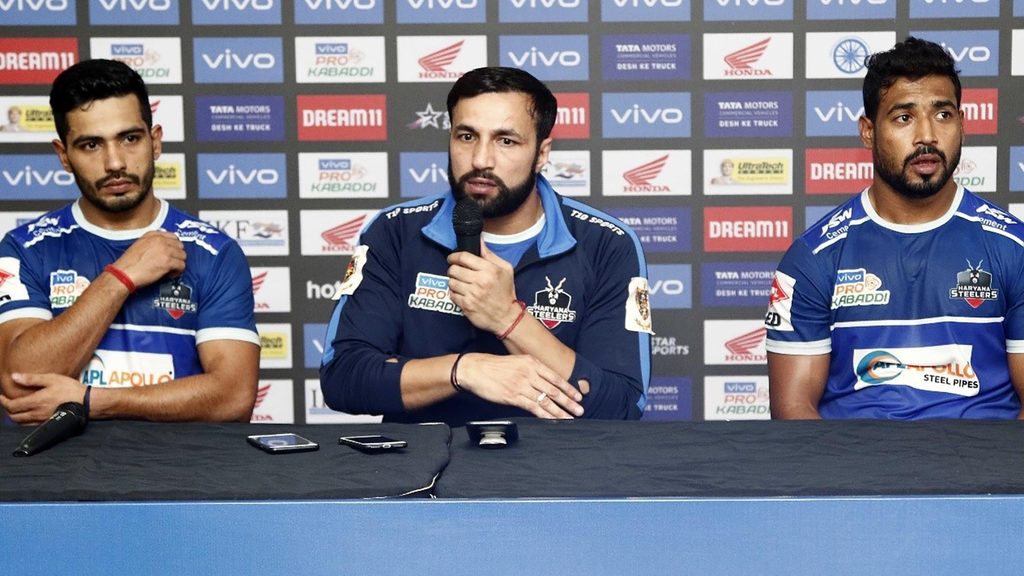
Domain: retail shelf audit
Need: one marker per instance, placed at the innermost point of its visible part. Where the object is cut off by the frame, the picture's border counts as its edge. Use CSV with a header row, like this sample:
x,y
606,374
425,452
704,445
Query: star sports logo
x,y
643,174
430,118
341,236
440,60
746,344
741,61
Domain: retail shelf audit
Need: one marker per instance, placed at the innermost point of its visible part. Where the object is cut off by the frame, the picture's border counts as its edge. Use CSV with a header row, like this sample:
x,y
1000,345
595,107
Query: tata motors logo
x,y
669,398
339,12
238,60
659,229
550,57
645,10
736,283
646,57
748,229
646,115
240,118
133,12
748,114
38,12
248,12
439,58
35,60
329,117
748,56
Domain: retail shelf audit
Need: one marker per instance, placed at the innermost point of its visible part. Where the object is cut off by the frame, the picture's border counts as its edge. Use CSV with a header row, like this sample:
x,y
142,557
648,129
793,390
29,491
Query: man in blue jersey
x,y
550,320
907,301
119,300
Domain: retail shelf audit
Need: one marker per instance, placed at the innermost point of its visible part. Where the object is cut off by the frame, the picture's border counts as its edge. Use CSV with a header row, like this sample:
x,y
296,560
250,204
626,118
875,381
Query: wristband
x,y
455,367
120,275
522,312
85,401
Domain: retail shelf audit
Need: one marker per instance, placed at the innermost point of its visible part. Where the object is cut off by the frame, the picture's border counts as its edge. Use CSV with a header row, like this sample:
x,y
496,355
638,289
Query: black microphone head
x,y
75,410
467,218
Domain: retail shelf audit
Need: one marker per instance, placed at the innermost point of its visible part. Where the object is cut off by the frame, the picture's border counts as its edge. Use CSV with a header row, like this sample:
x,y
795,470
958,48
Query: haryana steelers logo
x,y
879,367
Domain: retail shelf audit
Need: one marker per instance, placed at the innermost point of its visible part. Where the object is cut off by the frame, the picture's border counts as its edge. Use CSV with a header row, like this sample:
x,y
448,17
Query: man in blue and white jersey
x,y
551,320
907,301
120,301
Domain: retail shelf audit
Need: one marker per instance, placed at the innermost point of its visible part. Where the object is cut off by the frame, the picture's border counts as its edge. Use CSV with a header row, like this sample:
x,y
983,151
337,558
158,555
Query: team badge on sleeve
x,y
353,272
780,303
638,306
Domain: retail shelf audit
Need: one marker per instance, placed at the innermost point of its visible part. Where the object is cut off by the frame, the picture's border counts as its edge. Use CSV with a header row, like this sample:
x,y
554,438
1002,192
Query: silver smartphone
x,y
280,443
372,443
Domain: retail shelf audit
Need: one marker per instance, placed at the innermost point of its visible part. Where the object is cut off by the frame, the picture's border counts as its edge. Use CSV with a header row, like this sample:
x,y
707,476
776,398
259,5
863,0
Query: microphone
x,y
69,419
468,223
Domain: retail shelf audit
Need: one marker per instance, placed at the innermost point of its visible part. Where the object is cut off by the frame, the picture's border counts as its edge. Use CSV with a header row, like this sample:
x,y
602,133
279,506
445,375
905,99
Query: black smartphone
x,y
280,443
372,443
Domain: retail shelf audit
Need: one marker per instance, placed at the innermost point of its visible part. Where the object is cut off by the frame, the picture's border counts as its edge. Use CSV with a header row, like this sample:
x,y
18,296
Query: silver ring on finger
x,y
541,397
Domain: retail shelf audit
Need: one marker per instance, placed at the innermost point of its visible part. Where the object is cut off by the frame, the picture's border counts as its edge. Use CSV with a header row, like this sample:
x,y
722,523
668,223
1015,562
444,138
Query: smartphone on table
x,y
372,443
281,443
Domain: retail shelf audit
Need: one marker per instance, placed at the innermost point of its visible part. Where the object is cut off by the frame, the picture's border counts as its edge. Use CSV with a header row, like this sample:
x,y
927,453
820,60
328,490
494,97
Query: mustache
x,y
485,174
921,151
119,176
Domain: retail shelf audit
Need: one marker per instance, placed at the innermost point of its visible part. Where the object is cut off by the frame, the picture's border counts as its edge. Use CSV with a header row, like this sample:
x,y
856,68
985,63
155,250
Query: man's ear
x,y
542,154
157,134
62,154
867,132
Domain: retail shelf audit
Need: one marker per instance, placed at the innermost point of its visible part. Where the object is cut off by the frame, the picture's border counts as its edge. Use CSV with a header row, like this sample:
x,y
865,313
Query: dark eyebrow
x,y
936,104
500,133
87,138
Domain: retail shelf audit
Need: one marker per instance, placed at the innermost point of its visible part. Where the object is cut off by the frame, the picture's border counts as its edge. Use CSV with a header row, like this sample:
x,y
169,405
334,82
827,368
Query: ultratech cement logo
x,y
35,60
432,294
858,287
176,299
552,305
974,285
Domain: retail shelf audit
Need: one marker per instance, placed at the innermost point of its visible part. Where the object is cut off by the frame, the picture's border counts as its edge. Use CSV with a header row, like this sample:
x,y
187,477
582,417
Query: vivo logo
x,y
433,174
739,3
956,1
648,3
33,5
341,4
545,3
639,115
534,57
127,50
669,287
233,175
32,177
853,2
229,60
740,387
139,5
443,4
838,113
239,4
972,53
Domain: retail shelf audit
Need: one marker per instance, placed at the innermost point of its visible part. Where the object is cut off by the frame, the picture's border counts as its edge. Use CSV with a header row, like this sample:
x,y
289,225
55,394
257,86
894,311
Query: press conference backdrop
x,y
718,129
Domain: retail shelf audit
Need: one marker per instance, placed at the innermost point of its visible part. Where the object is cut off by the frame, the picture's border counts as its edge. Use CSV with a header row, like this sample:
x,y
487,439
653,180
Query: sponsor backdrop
x,y
718,129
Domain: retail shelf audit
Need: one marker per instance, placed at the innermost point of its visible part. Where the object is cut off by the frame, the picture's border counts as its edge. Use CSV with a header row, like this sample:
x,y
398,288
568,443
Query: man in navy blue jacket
x,y
552,319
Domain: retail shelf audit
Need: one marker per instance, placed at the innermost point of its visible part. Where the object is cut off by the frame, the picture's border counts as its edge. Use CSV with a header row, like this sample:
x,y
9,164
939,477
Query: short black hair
x,y
544,105
913,59
92,80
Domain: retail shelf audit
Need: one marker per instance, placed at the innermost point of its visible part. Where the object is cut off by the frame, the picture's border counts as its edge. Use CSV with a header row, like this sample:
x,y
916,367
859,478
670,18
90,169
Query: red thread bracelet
x,y
522,312
121,276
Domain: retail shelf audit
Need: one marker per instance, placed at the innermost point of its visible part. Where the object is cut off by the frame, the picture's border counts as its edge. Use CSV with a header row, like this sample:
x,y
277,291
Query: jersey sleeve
x,y
615,360
24,293
799,309
227,309
360,372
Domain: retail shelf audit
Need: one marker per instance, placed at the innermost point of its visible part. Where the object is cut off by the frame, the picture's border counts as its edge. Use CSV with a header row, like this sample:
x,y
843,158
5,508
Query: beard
x,y
122,203
508,199
895,176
